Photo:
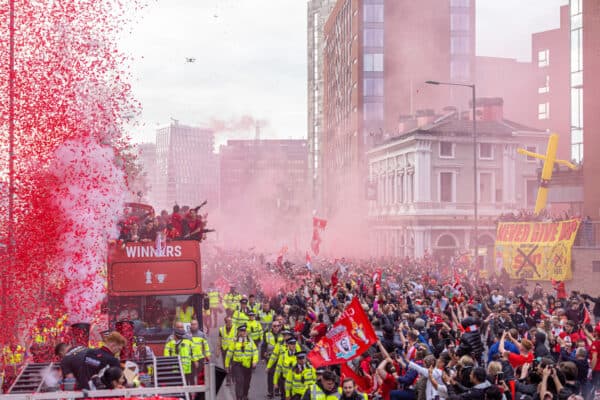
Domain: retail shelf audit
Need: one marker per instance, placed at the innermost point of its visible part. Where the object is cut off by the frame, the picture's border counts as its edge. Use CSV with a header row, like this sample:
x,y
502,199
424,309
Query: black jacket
x,y
477,392
471,345
91,363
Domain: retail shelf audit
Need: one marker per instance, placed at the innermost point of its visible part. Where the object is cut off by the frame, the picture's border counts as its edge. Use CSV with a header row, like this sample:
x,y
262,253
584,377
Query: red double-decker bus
x,y
149,284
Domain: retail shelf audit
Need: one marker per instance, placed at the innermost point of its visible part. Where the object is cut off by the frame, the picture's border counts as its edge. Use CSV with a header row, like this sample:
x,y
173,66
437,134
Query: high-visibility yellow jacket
x,y
266,319
316,393
279,349
255,308
200,348
239,317
232,301
183,349
255,330
298,380
270,342
243,352
213,298
227,336
184,316
287,361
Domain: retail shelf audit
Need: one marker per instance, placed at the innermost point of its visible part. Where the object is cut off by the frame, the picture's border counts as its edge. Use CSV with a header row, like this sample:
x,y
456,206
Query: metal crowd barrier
x,y
209,388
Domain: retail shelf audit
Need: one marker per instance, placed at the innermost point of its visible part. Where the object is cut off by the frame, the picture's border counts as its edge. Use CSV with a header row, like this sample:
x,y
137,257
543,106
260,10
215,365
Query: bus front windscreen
x,y
153,317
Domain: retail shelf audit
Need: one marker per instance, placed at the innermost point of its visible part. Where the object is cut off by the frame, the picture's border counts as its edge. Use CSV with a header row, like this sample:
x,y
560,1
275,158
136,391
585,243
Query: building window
x,y
544,111
373,38
459,3
459,45
486,151
576,7
446,187
373,62
460,22
373,87
577,152
460,69
446,150
546,87
576,50
373,111
373,13
543,58
532,149
486,189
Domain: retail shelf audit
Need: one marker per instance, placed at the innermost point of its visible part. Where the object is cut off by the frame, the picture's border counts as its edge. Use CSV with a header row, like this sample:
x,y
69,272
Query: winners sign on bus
x,y
538,251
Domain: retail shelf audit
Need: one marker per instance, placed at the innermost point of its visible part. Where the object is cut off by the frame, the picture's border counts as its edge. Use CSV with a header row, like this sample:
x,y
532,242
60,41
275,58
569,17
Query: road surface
x,y
258,385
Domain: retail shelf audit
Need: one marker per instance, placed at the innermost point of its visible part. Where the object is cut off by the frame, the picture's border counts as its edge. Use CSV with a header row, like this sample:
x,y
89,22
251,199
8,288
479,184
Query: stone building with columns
x,y
424,180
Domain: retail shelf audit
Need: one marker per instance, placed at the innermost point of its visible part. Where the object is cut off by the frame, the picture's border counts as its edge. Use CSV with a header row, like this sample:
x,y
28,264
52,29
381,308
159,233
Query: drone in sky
x,y
190,60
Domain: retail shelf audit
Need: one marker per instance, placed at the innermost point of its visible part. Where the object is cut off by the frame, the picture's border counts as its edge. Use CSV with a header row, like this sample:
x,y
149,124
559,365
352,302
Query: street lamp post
x,y
475,208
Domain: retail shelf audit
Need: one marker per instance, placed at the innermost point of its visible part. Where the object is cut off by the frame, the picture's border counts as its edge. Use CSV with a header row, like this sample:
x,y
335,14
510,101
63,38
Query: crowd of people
x,y
530,216
445,333
140,224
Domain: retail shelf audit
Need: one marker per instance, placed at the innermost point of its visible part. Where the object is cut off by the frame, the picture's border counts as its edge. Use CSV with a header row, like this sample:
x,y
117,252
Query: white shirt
x,y
430,391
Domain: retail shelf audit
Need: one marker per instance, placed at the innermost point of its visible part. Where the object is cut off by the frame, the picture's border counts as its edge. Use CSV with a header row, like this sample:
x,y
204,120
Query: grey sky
x,y
251,57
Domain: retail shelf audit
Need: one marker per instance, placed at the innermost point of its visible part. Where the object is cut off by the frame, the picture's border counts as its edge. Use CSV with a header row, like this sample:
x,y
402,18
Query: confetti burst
x,y
71,96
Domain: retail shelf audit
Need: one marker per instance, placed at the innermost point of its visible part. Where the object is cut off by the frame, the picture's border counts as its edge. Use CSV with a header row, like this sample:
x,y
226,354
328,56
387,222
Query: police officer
x,y
286,361
231,301
214,297
240,316
227,335
180,345
241,359
272,339
299,378
253,305
255,331
266,316
324,389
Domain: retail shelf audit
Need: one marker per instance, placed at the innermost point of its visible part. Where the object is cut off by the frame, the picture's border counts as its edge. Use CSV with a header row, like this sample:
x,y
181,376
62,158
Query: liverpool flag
x,y
349,337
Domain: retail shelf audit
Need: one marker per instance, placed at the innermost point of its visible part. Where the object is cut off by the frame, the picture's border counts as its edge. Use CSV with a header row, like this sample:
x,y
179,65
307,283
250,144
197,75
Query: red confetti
x,y
71,98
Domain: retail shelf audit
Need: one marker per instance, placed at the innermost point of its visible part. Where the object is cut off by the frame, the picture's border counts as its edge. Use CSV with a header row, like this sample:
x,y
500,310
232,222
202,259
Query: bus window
x,y
153,317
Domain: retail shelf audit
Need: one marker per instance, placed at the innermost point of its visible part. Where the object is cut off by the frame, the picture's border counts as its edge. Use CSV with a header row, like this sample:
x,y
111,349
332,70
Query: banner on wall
x,y
539,251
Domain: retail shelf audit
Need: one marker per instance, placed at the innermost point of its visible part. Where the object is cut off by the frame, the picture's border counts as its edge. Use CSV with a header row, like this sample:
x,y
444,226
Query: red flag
x,y
349,337
559,286
319,223
316,242
586,316
363,382
334,282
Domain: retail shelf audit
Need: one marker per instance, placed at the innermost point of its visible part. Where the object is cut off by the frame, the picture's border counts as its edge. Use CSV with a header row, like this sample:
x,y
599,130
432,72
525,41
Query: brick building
x,y
550,54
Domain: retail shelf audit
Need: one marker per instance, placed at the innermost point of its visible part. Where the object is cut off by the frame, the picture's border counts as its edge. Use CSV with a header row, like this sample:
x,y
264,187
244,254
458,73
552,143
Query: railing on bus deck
x,y
209,388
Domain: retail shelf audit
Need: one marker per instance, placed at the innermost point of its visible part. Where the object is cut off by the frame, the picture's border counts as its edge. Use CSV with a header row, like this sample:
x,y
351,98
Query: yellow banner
x,y
539,251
